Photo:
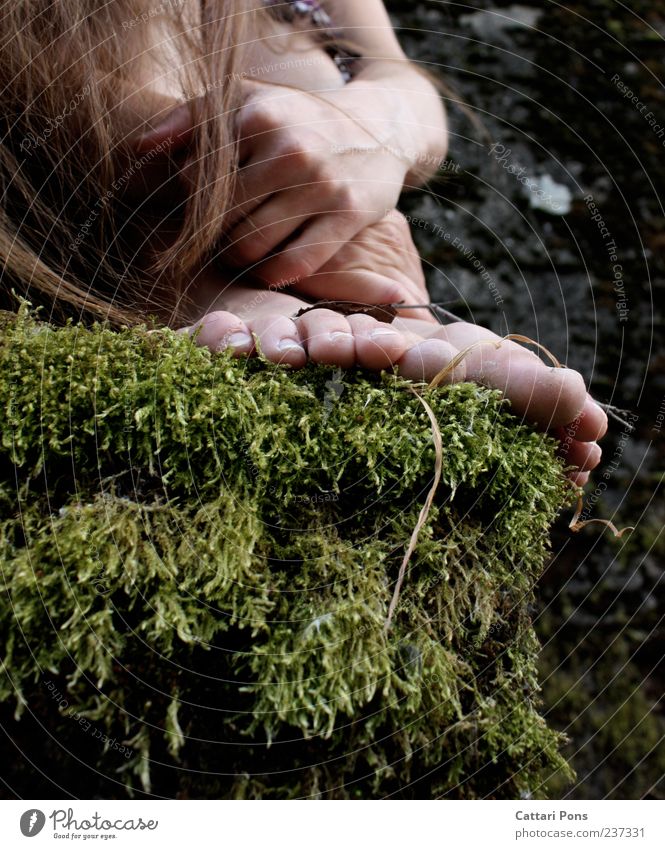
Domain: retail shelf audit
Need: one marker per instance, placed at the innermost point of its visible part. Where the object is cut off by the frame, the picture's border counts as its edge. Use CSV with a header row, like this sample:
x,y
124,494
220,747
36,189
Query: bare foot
x,y
381,265
553,399
250,320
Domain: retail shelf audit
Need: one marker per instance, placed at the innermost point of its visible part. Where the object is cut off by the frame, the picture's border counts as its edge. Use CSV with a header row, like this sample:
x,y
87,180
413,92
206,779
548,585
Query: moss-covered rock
x,y
198,555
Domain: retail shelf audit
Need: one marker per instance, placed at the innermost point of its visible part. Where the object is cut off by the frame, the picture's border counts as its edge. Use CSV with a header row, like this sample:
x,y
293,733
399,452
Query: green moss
x,y
198,556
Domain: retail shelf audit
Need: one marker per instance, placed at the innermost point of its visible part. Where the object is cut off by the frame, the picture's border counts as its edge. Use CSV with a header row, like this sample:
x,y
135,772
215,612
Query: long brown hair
x,y
68,71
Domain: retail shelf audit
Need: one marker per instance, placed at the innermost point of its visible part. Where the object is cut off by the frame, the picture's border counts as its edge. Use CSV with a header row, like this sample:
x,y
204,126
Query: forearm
x,y
396,93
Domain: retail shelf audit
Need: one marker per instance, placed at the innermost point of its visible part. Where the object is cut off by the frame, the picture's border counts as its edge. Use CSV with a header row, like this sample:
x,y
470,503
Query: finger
x,y
278,340
256,183
357,272
221,330
589,426
579,478
320,241
377,345
267,172
359,286
328,338
424,361
424,315
267,227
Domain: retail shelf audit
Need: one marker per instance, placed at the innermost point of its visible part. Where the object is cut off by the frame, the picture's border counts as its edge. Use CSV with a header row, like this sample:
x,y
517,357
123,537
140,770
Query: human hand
x,y
380,265
311,178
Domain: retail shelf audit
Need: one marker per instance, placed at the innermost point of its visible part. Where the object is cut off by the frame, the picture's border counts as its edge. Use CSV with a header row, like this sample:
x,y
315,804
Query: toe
x,y
424,361
278,340
547,397
592,424
377,345
328,338
221,330
584,455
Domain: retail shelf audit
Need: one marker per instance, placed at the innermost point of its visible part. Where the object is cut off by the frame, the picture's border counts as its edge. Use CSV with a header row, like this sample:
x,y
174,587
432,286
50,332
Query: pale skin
x,y
314,216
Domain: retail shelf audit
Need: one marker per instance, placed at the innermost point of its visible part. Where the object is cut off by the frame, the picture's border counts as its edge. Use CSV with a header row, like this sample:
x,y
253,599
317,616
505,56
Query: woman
x,y
220,167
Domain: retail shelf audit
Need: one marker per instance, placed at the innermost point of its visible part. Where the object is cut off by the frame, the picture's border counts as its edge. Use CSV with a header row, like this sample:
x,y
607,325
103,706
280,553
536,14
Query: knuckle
x,y
294,148
346,197
398,232
260,116
351,220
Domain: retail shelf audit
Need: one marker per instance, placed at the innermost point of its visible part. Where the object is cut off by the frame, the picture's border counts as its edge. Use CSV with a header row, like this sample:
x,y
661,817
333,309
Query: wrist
x,y
408,109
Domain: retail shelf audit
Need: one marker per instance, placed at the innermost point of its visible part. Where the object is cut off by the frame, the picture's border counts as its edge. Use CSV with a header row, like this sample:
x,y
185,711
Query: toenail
x,y
238,340
383,333
339,334
289,345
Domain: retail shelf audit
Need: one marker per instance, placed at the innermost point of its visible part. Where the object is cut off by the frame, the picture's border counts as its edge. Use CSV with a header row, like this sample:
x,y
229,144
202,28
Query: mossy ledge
x,y
198,555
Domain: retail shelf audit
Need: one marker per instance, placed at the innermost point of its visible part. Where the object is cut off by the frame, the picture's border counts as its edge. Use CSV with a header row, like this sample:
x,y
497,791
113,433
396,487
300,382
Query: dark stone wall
x,y
567,101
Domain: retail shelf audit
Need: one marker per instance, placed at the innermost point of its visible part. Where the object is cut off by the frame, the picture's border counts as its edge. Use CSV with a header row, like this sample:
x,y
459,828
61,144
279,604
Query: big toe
x,y
547,397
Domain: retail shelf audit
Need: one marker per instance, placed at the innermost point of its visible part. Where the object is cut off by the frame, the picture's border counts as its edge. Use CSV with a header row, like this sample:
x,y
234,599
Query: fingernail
x,y
239,340
338,334
289,345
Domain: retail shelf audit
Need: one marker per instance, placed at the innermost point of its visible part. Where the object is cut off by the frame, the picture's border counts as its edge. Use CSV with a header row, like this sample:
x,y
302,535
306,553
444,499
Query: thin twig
x,y
575,524
427,506
615,413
